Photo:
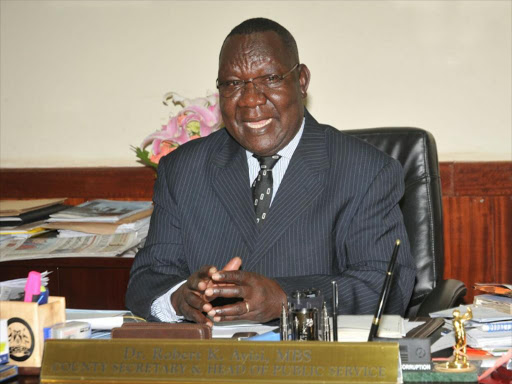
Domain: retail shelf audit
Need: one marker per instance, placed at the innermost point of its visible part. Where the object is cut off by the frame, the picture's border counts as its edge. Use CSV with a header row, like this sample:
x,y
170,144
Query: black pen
x,y
384,293
334,311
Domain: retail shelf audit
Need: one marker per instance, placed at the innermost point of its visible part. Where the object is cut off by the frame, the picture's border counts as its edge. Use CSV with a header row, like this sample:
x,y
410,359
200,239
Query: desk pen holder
x,y
26,323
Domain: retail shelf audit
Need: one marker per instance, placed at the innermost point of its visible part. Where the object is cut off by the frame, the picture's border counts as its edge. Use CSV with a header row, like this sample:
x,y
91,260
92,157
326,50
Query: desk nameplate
x,y
217,361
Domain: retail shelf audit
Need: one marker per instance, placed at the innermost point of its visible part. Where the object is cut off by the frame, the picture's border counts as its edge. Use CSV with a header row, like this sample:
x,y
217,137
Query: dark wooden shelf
x,y
477,206
85,282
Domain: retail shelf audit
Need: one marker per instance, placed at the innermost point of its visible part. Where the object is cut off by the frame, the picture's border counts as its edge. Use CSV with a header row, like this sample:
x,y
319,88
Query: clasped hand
x,y
261,297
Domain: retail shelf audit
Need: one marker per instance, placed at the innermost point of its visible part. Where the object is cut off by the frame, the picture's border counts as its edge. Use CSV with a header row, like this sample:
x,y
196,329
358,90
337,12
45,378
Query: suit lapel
x,y
231,184
302,183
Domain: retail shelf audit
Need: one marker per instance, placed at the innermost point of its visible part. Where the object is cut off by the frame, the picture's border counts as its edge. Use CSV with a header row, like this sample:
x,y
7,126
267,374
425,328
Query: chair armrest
x,y
447,294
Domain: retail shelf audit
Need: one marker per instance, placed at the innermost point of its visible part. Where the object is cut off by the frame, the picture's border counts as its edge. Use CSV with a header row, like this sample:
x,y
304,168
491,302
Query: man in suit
x,y
334,213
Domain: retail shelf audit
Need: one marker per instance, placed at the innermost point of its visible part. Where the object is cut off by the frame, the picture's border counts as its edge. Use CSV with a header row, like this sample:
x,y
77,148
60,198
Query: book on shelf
x,y
497,302
107,211
17,207
19,212
497,326
25,230
495,288
129,224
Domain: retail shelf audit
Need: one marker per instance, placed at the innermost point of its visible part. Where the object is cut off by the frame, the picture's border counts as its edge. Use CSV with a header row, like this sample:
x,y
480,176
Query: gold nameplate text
x,y
217,361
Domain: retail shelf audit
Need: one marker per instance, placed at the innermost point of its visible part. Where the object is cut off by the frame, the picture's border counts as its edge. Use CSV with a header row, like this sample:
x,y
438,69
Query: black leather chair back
x,y
421,204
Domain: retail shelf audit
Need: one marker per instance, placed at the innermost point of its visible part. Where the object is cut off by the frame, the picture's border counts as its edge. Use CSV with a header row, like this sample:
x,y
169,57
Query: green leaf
x,y
143,156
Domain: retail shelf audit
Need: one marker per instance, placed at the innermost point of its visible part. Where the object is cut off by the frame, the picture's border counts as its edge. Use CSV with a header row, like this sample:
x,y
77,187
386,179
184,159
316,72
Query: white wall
x,y
81,81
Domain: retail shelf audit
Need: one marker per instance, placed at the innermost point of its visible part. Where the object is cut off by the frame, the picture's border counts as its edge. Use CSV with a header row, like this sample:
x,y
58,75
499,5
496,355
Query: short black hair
x,y
260,24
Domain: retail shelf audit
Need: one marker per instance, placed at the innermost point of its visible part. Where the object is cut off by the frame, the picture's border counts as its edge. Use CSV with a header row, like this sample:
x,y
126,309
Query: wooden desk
x,y
85,282
501,376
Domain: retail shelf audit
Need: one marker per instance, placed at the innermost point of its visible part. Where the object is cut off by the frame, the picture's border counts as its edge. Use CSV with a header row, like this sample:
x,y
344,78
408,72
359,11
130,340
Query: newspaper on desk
x,y
84,246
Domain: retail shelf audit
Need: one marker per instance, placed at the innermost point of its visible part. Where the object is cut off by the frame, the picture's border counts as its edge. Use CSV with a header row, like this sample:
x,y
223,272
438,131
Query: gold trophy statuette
x,y
459,361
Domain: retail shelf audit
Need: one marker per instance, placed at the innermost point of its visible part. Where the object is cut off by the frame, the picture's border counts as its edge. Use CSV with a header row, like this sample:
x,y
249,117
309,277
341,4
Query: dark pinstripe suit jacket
x,y
335,217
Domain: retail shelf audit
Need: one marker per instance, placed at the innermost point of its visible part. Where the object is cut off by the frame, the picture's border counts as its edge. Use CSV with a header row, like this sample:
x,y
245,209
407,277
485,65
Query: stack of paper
x,y
357,327
480,314
227,329
478,338
101,211
497,302
137,222
81,246
23,231
103,217
98,319
488,328
15,289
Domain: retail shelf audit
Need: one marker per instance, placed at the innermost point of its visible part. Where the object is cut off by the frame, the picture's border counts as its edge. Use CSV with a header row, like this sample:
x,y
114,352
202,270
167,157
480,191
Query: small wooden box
x,y
26,323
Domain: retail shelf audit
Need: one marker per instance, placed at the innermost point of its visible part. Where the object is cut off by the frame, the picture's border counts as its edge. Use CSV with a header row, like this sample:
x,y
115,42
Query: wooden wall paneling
x,y
503,239
483,179
469,241
134,183
446,175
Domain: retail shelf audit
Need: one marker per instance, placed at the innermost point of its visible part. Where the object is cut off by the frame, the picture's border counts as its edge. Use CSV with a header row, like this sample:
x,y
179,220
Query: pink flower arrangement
x,y
198,118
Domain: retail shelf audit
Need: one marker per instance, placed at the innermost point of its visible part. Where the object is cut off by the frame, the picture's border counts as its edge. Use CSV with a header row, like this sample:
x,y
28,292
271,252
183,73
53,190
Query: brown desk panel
x,y
85,282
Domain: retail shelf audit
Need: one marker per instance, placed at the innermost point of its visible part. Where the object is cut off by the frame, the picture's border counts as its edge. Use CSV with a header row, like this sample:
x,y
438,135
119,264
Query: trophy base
x,y
448,367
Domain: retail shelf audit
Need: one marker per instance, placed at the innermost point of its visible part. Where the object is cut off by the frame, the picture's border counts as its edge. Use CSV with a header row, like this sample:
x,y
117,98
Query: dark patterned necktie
x,y
262,187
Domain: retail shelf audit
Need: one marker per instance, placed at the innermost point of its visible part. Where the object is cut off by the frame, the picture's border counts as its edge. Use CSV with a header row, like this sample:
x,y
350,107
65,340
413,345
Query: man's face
x,y
263,122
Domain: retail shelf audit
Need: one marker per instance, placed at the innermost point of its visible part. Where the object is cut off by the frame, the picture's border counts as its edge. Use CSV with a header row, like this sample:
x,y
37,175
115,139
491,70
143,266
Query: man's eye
x,y
232,84
271,79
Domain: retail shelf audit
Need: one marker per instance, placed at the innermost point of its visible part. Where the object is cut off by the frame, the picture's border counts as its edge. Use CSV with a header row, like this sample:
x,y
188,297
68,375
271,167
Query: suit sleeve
x,y
161,264
363,254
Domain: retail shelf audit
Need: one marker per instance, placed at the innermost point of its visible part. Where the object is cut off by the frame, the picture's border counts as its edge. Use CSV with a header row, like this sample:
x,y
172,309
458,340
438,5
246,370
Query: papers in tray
x,y
106,211
15,289
497,302
122,226
350,327
227,329
480,314
477,338
99,319
482,339
357,327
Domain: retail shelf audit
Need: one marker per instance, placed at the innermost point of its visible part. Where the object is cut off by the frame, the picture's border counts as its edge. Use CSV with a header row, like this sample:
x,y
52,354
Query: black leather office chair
x,y
423,214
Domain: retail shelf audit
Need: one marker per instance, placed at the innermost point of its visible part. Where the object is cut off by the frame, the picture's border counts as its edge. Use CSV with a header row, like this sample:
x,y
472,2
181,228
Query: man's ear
x,y
304,76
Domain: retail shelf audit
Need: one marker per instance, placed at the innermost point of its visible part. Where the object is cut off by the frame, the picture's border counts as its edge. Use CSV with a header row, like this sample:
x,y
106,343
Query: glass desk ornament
x,y
304,317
